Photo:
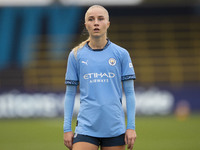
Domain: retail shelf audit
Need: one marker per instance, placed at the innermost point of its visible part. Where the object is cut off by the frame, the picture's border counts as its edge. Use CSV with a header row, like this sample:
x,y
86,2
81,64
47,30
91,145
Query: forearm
x,y
69,106
128,86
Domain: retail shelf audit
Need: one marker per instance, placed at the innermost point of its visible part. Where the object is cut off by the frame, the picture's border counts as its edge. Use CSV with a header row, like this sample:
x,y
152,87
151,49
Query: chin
x,y
96,35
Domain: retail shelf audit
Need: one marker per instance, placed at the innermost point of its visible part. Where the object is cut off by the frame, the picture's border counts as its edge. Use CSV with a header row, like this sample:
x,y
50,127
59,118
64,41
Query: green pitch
x,y
153,133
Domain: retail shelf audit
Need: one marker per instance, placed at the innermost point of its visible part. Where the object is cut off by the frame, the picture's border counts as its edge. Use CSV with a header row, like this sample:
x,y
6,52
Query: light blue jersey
x,y
99,74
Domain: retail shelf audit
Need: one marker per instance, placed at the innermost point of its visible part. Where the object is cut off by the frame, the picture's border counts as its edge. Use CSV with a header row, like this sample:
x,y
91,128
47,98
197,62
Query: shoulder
x,y
71,54
75,53
120,50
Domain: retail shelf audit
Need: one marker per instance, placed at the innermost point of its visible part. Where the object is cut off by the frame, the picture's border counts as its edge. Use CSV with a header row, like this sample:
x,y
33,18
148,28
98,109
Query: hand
x,y
130,137
68,139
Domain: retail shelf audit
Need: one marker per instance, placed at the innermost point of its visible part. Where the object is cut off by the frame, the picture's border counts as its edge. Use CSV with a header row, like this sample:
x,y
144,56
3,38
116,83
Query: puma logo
x,y
85,62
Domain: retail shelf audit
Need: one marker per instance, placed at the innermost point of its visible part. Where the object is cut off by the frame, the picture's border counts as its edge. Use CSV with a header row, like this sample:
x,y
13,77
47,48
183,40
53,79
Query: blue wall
x,y
20,26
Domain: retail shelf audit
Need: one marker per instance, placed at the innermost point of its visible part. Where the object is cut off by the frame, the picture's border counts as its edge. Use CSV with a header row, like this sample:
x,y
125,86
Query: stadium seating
x,y
165,50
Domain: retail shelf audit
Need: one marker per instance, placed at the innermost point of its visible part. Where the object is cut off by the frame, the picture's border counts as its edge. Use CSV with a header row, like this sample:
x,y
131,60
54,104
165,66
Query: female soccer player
x,y
99,66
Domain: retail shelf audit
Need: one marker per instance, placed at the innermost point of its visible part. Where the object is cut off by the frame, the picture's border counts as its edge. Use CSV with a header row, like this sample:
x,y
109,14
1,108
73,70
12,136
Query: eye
x,y
101,18
90,19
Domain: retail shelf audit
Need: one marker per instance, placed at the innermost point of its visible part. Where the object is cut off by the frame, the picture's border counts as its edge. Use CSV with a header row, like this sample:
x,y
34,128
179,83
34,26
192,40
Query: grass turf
x,y
153,133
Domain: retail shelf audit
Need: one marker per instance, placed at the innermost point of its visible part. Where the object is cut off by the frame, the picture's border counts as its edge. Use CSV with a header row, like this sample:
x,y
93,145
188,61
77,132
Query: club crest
x,y
112,61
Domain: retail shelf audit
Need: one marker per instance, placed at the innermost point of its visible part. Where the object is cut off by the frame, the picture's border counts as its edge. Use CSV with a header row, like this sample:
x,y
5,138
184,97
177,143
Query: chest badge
x,y
112,61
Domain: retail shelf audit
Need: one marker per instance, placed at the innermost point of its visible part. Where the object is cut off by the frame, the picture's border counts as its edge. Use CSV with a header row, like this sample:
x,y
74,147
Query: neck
x,y
97,43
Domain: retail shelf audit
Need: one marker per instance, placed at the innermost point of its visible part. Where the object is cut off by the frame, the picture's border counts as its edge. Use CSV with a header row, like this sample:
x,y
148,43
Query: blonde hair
x,y
76,48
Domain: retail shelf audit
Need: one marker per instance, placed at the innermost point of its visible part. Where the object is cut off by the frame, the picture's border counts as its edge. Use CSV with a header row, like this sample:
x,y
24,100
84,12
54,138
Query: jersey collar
x,y
107,44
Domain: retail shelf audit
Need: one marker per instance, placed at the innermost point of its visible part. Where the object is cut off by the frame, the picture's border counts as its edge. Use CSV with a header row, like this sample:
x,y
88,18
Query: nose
x,y
96,23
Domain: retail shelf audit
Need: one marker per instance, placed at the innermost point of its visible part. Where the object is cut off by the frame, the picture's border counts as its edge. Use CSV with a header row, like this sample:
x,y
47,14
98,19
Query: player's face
x,y
97,22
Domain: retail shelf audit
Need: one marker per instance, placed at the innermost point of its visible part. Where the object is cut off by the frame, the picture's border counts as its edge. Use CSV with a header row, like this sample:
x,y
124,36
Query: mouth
x,y
96,29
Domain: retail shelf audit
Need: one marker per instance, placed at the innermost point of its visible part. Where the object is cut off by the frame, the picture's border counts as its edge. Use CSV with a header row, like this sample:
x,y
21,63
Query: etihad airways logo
x,y
99,77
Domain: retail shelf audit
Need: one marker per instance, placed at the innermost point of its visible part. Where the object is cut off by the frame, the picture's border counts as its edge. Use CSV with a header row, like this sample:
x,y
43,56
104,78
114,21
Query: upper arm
x,y
127,67
71,76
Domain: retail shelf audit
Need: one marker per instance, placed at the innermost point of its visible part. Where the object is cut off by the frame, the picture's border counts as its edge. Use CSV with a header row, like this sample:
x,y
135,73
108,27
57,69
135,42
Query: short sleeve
x,y
71,76
128,72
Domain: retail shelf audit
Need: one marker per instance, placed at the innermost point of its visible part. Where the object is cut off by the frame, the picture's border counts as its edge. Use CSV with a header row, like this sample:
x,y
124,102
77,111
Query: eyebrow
x,y
93,16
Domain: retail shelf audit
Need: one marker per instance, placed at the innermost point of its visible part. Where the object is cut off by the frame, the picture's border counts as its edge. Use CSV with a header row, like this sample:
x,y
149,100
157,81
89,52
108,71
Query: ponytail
x,y
75,49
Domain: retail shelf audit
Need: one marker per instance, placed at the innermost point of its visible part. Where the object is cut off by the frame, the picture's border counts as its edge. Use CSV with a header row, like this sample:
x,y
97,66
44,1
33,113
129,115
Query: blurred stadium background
x,y
162,37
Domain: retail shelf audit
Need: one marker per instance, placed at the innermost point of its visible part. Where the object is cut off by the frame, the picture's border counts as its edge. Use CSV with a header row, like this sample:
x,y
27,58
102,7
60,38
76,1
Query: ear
x,y
108,25
85,25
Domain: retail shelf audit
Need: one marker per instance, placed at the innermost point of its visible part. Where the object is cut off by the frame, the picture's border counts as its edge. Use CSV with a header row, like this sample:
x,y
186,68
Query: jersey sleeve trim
x,y
128,77
71,82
